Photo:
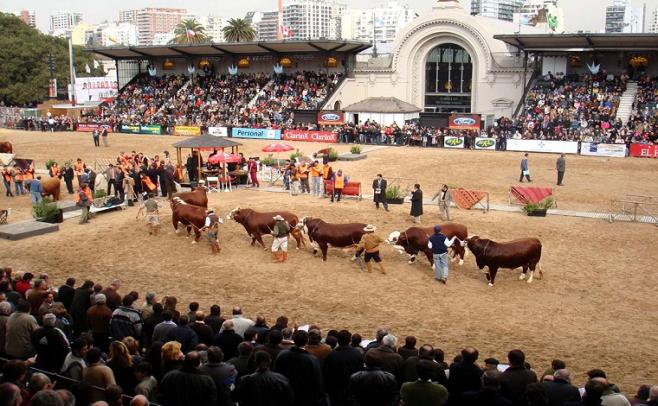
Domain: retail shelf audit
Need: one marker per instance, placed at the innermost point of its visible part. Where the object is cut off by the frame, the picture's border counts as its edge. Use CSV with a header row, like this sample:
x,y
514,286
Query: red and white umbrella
x,y
278,147
222,157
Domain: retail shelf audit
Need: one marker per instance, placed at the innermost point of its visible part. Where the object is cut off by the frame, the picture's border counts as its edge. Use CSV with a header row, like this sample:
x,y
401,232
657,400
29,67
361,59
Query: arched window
x,y
448,76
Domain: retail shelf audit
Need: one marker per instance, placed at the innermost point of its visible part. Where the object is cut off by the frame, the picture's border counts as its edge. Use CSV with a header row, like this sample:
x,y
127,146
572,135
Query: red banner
x,y
331,118
644,150
464,122
89,127
311,136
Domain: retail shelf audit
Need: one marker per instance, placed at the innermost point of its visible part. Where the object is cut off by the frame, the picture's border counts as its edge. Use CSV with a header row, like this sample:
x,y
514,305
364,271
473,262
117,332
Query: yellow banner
x,y
187,130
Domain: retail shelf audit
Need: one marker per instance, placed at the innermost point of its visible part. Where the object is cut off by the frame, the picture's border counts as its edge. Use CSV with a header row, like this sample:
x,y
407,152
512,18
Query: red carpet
x,y
530,194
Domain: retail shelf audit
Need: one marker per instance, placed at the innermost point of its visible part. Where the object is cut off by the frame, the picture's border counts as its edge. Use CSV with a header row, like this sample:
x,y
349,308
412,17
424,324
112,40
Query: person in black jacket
x,y
303,371
416,203
187,386
263,387
373,387
65,293
68,174
183,334
489,395
560,390
81,302
50,344
339,365
464,375
224,375
228,340
379,191
410,366
516,378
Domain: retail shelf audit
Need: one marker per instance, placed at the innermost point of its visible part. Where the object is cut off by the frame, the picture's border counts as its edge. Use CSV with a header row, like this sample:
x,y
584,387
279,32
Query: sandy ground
x,y
596,306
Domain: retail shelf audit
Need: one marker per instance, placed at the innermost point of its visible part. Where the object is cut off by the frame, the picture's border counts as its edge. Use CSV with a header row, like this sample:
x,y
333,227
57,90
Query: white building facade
x,y
380,24
64,21
213,26
498,9
313,19
116,34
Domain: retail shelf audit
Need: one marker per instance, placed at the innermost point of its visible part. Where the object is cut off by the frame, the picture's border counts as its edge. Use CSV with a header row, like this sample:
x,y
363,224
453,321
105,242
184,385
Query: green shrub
x,y
296,154
49,163
98,193
269,160
355,149
45,208
333,154
543,205
394,192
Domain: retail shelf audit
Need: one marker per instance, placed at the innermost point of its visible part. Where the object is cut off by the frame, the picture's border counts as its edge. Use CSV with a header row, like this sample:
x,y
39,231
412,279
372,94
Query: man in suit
x,y
560,167
525,170
379,191
445,199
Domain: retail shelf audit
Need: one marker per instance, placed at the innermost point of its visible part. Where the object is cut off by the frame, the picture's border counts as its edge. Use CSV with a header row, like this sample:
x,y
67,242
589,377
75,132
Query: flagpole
x,y
72,71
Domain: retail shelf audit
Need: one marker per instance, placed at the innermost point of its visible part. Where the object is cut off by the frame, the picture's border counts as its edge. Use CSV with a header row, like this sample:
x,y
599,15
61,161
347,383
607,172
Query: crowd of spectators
x,y
90,344
643,124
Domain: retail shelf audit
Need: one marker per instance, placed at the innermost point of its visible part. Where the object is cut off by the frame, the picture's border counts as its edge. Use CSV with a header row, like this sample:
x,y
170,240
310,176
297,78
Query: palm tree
x,y
189,32
239,29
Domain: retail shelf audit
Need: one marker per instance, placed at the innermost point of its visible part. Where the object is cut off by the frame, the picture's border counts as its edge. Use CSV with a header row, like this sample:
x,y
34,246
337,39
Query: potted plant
x,y
355,150
540,209
333,155
99,197
394,195
46,211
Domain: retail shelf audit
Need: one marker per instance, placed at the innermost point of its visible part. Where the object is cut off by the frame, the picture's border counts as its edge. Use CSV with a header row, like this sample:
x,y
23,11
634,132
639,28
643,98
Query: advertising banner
x,y
644,150
89,127
129,129
218,131
464,122
565,147
257,133
310,136
187,130
485,143
331,118
150,129
611,150
95,89
453,142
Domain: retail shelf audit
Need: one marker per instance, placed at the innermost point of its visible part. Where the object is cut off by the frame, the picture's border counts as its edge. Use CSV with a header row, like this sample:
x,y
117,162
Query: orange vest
x,y
302,171
54,171
18,176
340,182
87,192
7,176
29,174
77,167
147,182
316,170
325,171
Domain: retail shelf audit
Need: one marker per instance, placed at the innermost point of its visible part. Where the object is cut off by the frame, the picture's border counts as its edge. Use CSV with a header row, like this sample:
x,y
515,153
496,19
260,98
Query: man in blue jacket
x,y
439,245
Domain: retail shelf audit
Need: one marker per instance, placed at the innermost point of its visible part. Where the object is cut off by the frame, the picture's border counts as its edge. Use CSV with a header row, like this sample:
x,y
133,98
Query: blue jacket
x,y
438,242
524,164
35,186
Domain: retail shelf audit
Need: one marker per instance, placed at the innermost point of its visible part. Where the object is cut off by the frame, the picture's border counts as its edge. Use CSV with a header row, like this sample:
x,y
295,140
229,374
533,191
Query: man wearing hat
x,y
83,200
491,364
445,198
439,245
370,243
152,214
280,234
212,227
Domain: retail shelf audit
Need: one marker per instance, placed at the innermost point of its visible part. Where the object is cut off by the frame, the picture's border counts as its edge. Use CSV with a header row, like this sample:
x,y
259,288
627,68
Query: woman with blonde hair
x,y
133,349
121,364
172,356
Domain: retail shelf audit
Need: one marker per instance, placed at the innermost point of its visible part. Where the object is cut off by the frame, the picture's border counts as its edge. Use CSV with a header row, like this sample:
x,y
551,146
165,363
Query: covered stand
x,y
277,147
225,158
207,143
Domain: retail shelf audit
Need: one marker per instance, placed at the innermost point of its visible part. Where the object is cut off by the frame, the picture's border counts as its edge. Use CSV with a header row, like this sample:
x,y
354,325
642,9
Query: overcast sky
x,y
579,14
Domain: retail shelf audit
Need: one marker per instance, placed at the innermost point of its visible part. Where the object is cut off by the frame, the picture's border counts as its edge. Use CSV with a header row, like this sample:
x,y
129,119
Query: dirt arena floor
x,y
596,306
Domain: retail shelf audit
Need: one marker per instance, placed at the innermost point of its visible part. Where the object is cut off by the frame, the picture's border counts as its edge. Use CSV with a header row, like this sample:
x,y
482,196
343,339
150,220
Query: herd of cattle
x,y
190,210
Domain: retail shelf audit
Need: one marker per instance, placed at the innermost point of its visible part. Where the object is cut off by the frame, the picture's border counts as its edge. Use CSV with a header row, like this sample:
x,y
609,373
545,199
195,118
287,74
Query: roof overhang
x,y
232,49
581,42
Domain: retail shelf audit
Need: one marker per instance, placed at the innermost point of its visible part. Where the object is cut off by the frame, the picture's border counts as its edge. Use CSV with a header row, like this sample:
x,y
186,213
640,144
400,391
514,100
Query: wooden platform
x,y
26,229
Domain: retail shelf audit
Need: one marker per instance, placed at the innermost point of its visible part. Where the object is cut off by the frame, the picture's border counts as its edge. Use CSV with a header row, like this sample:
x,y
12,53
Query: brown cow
x,y
415,239
258,224
524,253
197,197
6,147
49,187
323,234
188,215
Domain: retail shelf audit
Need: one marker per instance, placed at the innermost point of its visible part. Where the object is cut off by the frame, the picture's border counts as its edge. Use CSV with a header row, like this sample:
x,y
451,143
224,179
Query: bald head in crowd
x,y
228,325
139,400
46,397
10,395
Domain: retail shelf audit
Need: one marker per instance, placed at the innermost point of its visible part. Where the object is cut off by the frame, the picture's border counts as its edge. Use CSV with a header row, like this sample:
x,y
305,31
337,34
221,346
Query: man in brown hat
x,y
280,234
370,244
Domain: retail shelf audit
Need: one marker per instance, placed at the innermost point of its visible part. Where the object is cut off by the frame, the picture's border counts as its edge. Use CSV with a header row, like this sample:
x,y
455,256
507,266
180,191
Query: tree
x,y
239,29
24,62
189,32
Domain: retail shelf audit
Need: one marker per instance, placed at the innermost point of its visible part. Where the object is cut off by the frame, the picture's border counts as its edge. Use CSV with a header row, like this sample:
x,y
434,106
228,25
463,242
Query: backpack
x,y
121,327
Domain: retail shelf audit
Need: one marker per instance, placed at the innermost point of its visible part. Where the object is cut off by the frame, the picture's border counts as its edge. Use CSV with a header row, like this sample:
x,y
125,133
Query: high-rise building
x,y
312,19
540,14
82,34
151,21
64,21
265,23
115,34
380,24
213,26
620,17
499,9
653,22
29,17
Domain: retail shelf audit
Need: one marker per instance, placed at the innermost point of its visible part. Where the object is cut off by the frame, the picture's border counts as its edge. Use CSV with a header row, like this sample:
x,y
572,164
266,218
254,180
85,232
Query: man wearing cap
x,y
83,200
212,227
379,191
152,214
491,364
370,243
280,234
439,245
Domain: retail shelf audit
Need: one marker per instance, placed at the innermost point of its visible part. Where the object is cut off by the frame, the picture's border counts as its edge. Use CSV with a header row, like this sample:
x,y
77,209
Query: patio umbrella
x,y
223,157
277,147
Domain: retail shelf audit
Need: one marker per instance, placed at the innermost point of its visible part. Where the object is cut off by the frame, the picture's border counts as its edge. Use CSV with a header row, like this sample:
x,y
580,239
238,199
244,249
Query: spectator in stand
x,y
228,340
188,386
339,365
560,390
641,396
386,357
409,348
241,360
222,373
162,329
316,347
240,323
112,294
489,395
252,389
74,363
304,372
172,356
20,326
373,387
410,366
215,319
464,375
203,331
555,365
653,396
51,345
183,334
424,392
121,364
24,284
65,293
147,384
97,375
81,302
126,321
98,320
10,395
593,395
516,378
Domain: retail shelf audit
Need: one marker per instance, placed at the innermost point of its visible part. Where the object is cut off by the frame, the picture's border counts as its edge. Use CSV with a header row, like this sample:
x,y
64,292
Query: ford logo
x,y
464,121
330,117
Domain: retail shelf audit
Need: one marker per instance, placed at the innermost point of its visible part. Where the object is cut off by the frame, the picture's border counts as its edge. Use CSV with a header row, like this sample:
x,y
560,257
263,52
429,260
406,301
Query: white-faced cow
x,y
414,240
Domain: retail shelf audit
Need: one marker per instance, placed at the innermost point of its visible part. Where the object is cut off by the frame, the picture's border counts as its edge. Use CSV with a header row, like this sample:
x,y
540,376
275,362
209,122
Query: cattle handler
x,y
152,214
370,243
212,227
439,245
280,234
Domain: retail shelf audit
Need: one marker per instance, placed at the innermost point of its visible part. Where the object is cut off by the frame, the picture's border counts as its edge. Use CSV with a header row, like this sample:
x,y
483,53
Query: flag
x,y
190,33
285,31
96,65
87,68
